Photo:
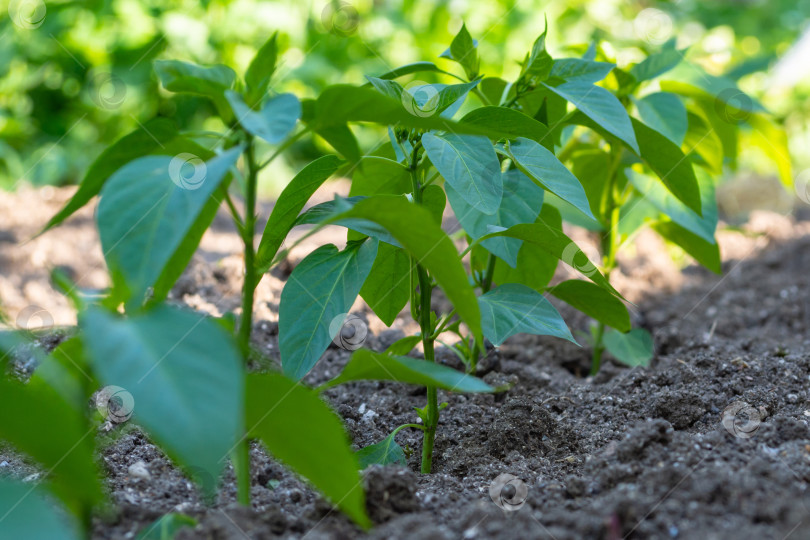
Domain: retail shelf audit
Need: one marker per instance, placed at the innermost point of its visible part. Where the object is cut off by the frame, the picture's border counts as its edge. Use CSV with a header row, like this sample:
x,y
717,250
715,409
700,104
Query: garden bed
x,y
638,453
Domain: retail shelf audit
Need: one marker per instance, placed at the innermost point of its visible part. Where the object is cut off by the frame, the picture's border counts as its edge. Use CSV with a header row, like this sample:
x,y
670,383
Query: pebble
x,y
3,463
368,416
31,477
792,398
139,470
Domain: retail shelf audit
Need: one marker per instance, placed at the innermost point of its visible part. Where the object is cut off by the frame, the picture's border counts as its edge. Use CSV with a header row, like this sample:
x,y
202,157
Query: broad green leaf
x,y
385,452
302,432
463,51
210,82
665,113
470,166
571,215
331,213
403,346
509,121
388,287
435,201
65,370
657,64
341,138
378,175
592,167
166,527
556,243
41,424
261,69
706,253
289,204
772,139
416,67
274,122
595,302
600,106
367,365
424,99
429,245
702,144
184,374
634,348
691,80
148,207
544,168
522,201
157,136
655,192
578,69
321,289
494,89
27,512
538,63
535,266
514,309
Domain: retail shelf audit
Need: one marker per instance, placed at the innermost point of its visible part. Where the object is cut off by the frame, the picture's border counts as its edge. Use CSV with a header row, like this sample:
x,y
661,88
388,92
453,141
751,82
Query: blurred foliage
x,y
75,76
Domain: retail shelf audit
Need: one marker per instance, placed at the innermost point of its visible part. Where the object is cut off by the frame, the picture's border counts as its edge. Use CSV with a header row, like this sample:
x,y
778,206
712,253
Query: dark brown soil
x,y
631,453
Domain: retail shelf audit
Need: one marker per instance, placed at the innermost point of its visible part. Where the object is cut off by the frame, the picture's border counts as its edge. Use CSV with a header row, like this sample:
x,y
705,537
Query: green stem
x,y
486,285
240,458
284,146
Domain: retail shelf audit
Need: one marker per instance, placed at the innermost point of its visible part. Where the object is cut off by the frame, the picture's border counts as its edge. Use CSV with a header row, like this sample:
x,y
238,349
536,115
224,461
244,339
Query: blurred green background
x,y
74,76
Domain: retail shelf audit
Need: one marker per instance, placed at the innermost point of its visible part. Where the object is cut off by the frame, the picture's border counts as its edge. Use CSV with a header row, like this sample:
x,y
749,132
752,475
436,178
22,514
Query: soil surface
x,y
631,453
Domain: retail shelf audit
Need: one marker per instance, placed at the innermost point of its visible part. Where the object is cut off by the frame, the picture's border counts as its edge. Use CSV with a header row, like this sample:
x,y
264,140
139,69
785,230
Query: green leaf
x,y
424,99
157,136
535,266
274,122
556,243
657,64
693,81
634,348
513,309
493,89
509,121
665,113
428,244
322,288
416,67
600,106
65,370
655,192
592,167
385,452
702,144
469,165
148,207
261,69
403,346
378,175
538,63
544,168
277,409
577,69
166,527
289,204
463,51
365,365
706,253
210,82
595,302
28,512
387,288
342,140
49,429
522,201
185,377
773,141
435,201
